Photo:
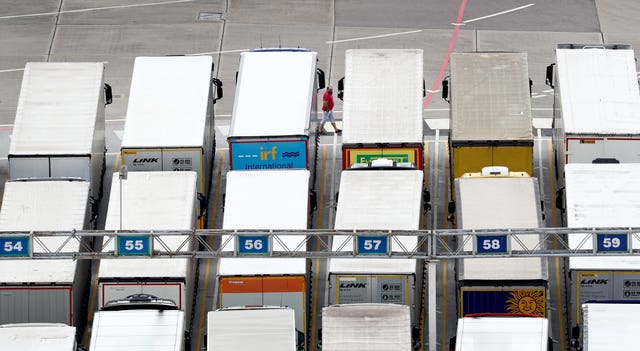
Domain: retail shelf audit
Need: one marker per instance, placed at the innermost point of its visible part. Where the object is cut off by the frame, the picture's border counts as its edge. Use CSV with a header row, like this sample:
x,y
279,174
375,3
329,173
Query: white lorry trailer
x,y
270,199
382,118
48,290
263,136
596,105
38,337
366,327
252,328
610,325
170,118
140,322
500,285
143,201
502,333
59,127
597,196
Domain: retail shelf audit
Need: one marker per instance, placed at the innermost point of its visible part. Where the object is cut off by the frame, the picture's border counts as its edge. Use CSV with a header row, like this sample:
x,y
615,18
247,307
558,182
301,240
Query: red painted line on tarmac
x,y
445,63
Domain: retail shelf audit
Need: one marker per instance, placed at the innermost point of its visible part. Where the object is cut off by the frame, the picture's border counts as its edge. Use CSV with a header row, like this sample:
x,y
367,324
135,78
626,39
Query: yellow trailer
x,y
490,114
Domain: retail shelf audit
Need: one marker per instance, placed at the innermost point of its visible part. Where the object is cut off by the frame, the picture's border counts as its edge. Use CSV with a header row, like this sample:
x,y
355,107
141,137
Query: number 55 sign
x,y
134,245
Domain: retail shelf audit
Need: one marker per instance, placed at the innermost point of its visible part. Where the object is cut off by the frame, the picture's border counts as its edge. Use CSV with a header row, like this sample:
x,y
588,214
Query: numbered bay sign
x,y
253,245
372,245
612,243
491,244
15,246
134,245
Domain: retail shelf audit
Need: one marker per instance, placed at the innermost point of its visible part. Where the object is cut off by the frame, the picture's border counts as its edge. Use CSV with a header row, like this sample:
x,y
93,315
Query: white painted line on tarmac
x,y
493,15
538,96
11,70
432,91
96,9
542,108
547,91
374,36
219,52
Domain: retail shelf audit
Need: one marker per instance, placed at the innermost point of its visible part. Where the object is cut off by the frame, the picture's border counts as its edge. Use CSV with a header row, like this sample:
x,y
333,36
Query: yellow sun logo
x,y
527,302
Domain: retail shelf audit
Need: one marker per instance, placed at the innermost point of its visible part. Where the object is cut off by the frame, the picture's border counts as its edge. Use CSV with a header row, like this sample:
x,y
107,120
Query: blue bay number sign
x,y
612,243
372,245
253,245
134,245
15,246
491,244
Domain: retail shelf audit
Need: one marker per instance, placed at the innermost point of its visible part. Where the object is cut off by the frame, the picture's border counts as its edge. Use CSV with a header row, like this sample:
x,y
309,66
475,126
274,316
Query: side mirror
x,y
202,203
530,87
319,339
300,340
549,76
445,89
108,94
426,201
451,208
341,89
424,89
218,91
321,80
236,77
313,201
560,199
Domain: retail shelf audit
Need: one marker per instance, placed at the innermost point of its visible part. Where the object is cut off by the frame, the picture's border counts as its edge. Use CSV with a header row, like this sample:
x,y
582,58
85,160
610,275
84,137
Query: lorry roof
x,y
490,98
367,326
502,334
598,90
381,200
499,202
139,329
270,199
37,337
151,200
250,329
274,94
168,102
58,108
602,195
43,205
383,96
610,326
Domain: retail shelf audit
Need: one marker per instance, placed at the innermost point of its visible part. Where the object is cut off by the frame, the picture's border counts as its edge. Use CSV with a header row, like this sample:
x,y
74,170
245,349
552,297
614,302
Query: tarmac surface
x,y
116,31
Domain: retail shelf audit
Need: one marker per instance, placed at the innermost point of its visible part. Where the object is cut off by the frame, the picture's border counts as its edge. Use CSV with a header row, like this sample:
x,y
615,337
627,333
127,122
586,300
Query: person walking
x,y
327,111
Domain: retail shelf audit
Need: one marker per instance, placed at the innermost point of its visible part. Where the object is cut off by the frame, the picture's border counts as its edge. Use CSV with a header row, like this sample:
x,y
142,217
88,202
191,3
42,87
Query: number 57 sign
x,y
372,245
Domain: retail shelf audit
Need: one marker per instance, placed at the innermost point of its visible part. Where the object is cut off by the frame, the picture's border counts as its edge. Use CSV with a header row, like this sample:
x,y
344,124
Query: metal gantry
x,y
214,243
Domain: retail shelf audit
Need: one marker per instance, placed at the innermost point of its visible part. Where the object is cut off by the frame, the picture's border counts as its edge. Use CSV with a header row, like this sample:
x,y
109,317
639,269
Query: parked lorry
x,y
38,337
45,290
382,195
499,199
252,328
145,201
382,91
596,105
170,119
598,196
609,325
370,327
503,333
139,322
263,136
59,126
490,112
270,199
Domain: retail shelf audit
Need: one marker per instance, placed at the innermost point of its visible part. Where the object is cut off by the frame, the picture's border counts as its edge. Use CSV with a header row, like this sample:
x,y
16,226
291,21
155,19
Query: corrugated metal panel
x,y
383,96
599,91
43,205
168,102
137,330
37,337
487,203
151,200
366,327
502,334
602,195
610,326
378,200
266,200
57,109
490,97
274,94
268,329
